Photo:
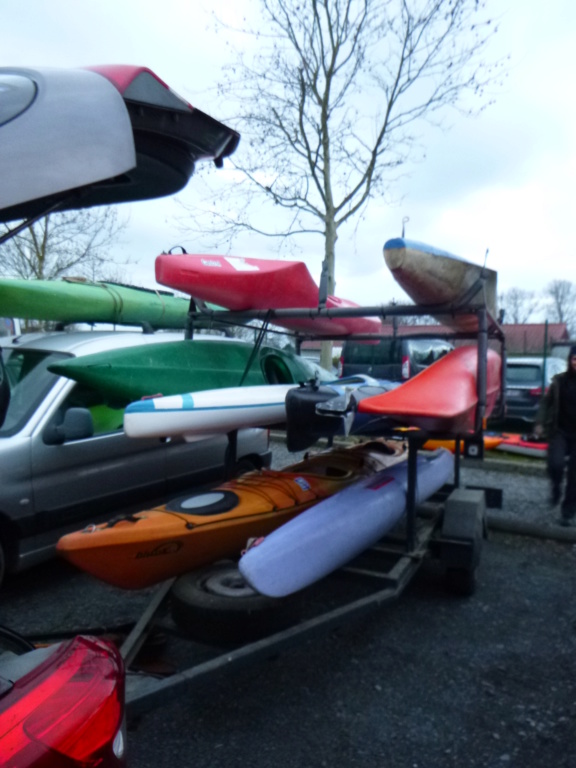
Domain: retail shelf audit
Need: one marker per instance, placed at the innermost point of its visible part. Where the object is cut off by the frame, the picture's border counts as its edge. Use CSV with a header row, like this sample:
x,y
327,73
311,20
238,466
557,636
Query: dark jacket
x,y
549,408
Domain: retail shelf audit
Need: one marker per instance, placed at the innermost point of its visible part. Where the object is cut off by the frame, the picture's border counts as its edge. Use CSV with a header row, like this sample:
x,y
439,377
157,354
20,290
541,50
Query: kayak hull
x,y
216,411
434,277
170,368
334,531
491,442
75,301
198,529
521,445
443,397
246,283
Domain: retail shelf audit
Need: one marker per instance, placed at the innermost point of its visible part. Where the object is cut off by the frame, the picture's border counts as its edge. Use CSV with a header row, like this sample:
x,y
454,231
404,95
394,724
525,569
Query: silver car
x,y
58,474
527,378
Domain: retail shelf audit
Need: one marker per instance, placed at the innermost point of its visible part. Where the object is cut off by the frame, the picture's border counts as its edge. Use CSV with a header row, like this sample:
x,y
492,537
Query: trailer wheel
x,y
215,605
461,581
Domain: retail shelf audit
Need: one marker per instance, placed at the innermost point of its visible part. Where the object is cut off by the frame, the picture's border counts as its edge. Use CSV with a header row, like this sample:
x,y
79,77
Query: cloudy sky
x,y
503,181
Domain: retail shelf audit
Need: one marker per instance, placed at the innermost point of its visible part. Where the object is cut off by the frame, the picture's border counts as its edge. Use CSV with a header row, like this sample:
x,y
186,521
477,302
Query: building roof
x,y
529,338
521,338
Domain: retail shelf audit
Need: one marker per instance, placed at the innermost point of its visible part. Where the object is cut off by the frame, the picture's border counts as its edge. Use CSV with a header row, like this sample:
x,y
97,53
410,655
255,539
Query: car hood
x,y
74,138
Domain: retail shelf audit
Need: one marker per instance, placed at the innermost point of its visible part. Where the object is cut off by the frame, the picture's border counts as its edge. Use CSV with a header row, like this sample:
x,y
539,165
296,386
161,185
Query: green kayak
x,y
176,367
76,301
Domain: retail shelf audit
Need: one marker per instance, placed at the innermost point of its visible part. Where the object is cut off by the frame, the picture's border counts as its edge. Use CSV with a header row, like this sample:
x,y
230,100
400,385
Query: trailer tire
x,y
461,581
215,605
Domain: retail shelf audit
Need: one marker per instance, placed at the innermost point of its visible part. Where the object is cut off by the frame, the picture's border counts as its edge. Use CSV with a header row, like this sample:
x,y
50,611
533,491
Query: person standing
x,y
556,420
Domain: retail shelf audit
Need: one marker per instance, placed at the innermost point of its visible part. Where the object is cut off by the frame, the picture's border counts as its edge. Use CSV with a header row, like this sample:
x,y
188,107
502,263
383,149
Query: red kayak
x,y
244,283
525,445
443,397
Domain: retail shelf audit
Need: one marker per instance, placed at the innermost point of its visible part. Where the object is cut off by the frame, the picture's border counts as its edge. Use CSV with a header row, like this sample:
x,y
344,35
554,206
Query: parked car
x,y
393,358
527,378
61,706
51,486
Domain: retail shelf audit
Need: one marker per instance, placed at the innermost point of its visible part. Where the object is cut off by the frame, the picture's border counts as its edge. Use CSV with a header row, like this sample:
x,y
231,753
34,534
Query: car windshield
x,y
29,382
524,374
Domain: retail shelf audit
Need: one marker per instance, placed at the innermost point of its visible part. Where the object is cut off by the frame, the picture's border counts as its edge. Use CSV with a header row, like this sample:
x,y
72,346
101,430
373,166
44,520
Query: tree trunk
x,y
329,256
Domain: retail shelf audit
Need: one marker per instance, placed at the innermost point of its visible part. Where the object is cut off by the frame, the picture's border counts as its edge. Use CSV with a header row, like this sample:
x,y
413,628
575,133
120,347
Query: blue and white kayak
x,y
333,532
216,411
431,276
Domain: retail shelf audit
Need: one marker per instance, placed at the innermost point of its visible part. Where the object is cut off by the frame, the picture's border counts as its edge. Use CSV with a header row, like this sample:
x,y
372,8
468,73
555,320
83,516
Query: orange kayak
x,y
490,443
186,533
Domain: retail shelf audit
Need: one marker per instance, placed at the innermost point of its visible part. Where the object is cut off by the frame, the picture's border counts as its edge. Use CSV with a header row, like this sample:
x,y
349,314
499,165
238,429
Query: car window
x,y
524,374
104,418
30,381
383,352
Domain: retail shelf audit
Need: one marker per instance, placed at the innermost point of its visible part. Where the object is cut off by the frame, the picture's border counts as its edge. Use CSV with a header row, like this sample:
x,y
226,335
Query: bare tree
x,y
563,302
518,305
329,104
76,242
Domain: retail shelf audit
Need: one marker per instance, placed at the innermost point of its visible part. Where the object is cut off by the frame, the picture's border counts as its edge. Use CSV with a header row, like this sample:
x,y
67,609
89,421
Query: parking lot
x,y
428,681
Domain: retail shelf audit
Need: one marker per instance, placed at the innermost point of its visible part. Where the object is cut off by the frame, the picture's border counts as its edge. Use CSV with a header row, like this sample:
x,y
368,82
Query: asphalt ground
x,y
427,681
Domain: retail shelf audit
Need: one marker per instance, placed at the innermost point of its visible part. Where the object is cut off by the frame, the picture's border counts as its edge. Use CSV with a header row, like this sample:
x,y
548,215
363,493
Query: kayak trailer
x,y
213,622
224,625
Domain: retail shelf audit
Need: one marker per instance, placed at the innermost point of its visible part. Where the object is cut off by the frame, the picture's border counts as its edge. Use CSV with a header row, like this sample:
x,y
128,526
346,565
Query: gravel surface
x,y
428,681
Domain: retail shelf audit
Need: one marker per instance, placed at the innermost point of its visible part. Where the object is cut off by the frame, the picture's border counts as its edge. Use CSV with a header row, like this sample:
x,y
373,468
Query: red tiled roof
x,y
521,338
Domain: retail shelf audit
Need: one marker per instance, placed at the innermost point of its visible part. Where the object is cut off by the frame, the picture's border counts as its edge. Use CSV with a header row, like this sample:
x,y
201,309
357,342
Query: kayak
x,y
434,277
524,445
491,442
217,411
170,368
75,301
186,533
247,283
334,531
443,397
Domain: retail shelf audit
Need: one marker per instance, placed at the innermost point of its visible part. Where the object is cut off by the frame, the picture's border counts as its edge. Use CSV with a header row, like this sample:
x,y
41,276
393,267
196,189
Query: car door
x,y
92,477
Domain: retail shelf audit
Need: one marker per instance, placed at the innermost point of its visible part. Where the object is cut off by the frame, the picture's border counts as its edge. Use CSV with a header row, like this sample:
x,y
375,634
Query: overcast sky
x,y
504,181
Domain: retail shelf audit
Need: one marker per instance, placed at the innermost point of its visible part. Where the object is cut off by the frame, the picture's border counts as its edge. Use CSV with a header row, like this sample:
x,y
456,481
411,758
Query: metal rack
x,y
449,527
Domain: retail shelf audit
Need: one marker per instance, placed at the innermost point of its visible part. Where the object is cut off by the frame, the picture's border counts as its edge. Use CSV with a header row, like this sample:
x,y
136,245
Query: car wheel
x,y
215,605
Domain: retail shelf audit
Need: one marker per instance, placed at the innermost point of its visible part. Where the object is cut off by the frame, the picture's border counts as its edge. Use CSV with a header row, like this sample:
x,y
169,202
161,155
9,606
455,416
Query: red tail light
x,y
405,367
67,712
536,391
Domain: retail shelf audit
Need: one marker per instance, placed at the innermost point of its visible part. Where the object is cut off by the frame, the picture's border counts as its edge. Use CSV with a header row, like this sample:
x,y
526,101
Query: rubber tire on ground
x,y
461,581
214,605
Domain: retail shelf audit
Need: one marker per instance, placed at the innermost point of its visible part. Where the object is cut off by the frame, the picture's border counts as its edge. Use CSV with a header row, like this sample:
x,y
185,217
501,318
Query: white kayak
x,y
216,411
333,532
431,276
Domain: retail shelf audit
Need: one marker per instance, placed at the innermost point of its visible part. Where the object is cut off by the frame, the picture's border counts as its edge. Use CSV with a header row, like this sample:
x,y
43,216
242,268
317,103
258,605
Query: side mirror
x,y
4,390
77,424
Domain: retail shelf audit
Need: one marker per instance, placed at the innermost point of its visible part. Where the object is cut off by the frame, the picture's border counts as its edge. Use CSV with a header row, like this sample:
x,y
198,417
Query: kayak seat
x,y
211,503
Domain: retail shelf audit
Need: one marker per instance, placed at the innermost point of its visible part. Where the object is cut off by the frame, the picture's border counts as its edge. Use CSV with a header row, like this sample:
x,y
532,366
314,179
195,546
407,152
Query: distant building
x,y
521,338
529,338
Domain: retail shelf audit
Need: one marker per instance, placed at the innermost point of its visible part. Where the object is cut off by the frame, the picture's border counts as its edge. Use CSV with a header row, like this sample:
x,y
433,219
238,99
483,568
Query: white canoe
x,y
434,277
216,411
333,532
208,412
